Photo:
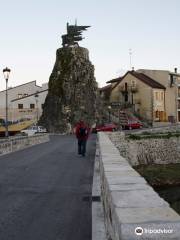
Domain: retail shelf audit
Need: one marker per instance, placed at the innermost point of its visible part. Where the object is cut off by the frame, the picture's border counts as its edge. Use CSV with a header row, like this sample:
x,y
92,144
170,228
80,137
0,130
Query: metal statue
x,y
74,34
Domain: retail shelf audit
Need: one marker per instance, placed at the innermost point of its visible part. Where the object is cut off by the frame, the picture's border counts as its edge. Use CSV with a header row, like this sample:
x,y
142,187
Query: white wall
x,y
29,89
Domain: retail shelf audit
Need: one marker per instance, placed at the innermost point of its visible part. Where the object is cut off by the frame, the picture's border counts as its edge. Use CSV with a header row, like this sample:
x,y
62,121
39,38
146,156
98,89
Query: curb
x,y
98,227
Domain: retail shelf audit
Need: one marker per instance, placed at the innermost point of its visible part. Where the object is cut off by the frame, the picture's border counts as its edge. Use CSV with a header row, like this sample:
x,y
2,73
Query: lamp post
x,y
37,113
6,72
109,110
132,100
133,90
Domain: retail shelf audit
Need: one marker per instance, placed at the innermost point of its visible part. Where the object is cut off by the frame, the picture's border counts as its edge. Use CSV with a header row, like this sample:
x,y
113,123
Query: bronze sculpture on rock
x,y
74,34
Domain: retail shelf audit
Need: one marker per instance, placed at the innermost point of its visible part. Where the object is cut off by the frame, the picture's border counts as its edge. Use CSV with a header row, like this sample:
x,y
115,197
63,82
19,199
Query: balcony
x,y
132,89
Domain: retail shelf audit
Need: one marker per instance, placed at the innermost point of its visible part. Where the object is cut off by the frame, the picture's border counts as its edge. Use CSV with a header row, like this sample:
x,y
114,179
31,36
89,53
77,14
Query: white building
x,y
24,101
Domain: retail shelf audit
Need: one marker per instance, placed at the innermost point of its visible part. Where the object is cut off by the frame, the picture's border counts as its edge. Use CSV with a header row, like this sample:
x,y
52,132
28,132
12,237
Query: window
x,y
125,85
162,96
159,96
20,106
32,105
126,97
156,95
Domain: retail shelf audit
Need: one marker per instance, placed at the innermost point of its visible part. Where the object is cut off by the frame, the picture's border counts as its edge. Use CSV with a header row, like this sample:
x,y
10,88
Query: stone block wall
x,y
129,202
17,143
148,151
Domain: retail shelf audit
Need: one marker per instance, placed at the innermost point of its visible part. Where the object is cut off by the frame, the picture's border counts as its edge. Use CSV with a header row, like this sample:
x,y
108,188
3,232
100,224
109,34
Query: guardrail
x,y
132,209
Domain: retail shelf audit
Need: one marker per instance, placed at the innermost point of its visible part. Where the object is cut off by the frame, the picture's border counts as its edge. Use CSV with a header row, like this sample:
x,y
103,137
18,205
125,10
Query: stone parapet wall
x,y
129,202
16,143
166,125
148,151
175,127
98,228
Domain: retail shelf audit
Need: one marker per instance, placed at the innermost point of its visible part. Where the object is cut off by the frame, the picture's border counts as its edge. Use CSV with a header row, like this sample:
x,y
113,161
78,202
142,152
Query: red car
x,y
107,127
132,125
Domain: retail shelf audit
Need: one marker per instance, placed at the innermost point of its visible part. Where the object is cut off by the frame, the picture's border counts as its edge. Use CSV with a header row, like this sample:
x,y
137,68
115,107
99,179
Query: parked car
x,y
107,127
33,130
132,125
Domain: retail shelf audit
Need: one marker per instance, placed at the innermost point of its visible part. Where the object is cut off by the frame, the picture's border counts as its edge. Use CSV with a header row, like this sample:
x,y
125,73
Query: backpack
x,y
83,132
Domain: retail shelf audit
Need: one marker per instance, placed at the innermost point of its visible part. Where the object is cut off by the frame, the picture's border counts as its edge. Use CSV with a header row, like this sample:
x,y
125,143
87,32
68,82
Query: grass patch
x,y
153,136
160,174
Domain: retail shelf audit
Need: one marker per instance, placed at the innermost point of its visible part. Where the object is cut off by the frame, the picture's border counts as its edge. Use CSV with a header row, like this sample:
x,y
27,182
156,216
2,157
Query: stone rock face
x,y
72,90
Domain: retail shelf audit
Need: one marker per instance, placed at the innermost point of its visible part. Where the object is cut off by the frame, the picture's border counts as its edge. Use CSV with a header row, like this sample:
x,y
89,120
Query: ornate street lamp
x,y
6,72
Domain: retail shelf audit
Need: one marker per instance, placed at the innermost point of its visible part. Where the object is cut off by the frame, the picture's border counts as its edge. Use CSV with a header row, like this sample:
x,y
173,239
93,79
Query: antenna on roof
x,y
130,57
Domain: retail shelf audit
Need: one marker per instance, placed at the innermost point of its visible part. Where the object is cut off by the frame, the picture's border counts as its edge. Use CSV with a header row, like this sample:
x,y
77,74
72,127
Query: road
x,y
44,189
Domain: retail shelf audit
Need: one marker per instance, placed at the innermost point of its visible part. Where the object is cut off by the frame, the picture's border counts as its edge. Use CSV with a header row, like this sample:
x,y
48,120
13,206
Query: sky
x,y
31,33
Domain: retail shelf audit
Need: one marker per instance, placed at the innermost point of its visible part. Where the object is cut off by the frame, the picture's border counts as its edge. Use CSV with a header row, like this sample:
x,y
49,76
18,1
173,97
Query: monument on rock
x,y
72,86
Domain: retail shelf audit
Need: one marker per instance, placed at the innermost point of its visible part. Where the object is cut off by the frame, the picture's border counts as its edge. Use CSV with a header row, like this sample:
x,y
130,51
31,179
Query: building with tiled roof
x,y
153,94
25,101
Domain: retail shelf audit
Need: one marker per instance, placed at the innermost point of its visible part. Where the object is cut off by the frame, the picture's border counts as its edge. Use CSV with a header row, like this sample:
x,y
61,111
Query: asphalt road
x,y
43,191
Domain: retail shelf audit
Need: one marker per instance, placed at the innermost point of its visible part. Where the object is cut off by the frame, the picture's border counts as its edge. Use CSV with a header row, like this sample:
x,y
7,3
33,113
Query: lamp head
x,y
6,72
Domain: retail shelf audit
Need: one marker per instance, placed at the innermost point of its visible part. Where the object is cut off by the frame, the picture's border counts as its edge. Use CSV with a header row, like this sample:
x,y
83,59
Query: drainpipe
x,y
152,104
165,104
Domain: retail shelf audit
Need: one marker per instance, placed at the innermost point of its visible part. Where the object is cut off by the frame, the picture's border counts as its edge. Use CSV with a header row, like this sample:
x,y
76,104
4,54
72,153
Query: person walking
x,y
82,134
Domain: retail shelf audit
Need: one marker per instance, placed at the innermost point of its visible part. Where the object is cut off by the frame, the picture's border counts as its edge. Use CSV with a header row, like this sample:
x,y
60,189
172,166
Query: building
x,y
153,94
24,102
105,93
171,81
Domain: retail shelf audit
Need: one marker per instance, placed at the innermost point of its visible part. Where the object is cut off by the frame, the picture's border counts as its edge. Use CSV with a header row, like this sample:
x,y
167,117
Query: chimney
x,y
175,70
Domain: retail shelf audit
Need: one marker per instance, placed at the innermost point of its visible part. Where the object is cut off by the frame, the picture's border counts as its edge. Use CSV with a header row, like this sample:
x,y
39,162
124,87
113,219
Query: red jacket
x,y
81,124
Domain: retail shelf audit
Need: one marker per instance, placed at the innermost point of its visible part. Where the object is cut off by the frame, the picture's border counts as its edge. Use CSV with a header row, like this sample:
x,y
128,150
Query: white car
x,y
33,130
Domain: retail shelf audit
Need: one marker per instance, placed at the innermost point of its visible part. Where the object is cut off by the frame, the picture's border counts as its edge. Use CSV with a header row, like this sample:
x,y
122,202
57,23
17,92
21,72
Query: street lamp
x,y
133,90
6,72
132,100
109,109
36,98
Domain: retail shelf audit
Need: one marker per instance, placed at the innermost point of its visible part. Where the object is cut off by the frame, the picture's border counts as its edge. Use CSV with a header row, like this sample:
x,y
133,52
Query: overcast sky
x,y
31,32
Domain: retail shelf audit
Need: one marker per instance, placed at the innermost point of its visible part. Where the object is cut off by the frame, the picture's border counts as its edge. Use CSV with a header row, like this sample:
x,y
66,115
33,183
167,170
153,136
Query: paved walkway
x,y
43,191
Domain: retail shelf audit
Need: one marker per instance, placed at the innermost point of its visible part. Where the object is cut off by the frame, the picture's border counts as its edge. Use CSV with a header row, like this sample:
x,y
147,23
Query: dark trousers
x,y
82,147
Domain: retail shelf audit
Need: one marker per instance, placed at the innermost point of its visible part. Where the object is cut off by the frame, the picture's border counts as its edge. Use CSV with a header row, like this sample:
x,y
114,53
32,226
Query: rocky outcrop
x,y
72,90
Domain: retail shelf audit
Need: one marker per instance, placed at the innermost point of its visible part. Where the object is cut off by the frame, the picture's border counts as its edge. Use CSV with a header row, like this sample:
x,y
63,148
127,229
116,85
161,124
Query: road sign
x,y
116,104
